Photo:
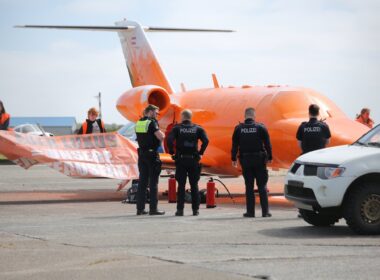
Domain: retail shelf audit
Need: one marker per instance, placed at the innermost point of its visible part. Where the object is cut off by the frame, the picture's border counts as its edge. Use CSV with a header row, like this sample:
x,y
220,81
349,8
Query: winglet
x,y
215,80
183,88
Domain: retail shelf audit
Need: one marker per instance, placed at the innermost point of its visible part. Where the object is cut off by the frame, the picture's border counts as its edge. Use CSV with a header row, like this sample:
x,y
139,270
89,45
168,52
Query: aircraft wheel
x,y
362,209
318,219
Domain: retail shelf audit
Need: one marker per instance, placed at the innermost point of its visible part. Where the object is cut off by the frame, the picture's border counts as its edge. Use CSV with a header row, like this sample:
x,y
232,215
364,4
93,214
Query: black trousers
x,y
252,169
187,167
149,164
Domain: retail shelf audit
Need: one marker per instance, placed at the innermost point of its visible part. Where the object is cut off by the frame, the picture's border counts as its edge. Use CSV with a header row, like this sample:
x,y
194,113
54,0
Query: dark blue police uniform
x,y
186,136
251,141
313,135
149,162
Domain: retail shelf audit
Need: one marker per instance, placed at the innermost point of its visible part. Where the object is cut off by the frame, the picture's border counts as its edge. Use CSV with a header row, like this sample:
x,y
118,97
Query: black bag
x,y
202,196
132,193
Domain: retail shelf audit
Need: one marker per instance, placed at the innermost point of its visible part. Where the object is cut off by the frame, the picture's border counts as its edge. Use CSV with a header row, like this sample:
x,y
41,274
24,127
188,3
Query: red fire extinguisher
x,y
210,195
172,190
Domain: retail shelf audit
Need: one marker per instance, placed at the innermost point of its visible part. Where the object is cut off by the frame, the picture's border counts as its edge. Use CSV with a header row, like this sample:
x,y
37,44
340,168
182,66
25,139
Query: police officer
x,y
251,141
187,157
314,134
149,138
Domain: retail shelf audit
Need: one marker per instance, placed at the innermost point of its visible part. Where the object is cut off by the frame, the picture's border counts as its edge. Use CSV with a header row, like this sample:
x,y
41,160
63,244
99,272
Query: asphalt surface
x,y
104,240
41,184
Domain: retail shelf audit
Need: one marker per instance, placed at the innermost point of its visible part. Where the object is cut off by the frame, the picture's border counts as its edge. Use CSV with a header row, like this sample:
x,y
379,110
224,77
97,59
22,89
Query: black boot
x,y
156,212
267,215
179,213
249,215
195,213
141,212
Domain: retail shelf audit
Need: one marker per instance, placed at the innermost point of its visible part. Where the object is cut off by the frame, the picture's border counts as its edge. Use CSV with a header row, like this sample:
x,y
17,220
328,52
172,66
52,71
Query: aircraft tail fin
x,y
142,63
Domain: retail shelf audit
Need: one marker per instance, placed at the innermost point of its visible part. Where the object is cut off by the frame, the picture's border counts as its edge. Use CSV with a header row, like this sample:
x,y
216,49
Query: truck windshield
x,y
371,138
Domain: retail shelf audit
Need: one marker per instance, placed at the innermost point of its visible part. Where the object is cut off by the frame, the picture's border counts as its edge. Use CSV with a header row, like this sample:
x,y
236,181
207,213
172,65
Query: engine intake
x,y
132,103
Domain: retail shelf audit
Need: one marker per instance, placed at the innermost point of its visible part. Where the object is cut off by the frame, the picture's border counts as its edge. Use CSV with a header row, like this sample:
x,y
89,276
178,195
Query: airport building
x,y
54,125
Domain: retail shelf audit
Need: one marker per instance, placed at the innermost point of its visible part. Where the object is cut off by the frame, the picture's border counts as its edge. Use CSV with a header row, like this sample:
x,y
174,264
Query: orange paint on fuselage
x,y
280,108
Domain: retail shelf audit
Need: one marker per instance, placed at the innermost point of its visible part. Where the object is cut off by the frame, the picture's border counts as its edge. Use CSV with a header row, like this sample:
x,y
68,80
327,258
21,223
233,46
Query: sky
x,y
330,46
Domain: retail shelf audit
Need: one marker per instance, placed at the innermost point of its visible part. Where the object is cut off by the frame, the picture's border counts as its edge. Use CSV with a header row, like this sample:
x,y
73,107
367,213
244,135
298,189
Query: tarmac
x,y
78,229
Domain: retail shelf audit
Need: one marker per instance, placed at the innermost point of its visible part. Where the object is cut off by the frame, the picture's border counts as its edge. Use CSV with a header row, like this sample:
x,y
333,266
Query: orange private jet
x,y
218,109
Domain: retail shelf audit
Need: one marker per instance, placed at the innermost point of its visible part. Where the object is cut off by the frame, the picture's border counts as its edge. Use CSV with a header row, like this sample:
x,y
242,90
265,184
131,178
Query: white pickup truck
x,y
339,182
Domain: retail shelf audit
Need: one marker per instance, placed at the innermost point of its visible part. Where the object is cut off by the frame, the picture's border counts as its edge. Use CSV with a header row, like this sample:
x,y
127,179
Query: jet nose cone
x,y
345,131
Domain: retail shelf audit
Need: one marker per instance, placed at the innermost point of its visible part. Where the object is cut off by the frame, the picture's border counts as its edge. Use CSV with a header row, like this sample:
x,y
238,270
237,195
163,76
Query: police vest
x,y
187,141
249,138
142,126
146,139
85,126
313,136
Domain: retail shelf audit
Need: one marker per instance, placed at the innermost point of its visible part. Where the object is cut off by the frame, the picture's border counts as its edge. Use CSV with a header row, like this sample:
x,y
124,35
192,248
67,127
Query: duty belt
x,y
260,154
141,151
187,156
252,154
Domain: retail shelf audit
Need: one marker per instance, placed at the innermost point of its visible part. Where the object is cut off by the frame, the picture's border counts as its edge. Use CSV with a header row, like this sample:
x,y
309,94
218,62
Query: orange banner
x,y
108,155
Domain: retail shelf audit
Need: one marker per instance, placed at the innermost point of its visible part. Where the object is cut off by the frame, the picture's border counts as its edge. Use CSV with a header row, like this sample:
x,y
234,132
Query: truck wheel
x,y
318,219
362,209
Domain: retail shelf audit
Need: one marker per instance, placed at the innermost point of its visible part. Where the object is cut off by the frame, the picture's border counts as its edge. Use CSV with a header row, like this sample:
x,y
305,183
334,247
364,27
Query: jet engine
x,y
132,103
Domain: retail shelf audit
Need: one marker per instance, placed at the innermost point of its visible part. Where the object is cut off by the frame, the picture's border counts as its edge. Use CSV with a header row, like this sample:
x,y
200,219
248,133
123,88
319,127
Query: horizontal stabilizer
x,y
169,29
79,27
122,28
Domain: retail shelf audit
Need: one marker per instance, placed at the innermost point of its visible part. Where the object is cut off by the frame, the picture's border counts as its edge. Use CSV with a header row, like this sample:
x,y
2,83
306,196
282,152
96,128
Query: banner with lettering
x,y
107,155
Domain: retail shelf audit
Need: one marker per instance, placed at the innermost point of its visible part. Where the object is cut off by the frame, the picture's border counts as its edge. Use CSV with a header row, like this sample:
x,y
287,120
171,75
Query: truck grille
x,y
296,189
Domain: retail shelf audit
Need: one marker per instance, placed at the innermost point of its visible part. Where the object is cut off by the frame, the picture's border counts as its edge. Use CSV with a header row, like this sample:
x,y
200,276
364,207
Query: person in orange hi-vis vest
x,y
364,118
92,123
4,117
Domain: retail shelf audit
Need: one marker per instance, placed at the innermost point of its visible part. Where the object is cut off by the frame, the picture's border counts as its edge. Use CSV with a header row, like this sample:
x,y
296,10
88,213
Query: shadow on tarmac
x,y
112,217
142,217
258,218
222,218
310,232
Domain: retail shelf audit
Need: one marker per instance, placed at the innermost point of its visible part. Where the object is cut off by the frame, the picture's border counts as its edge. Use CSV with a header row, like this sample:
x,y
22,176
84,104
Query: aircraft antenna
x,y
99,97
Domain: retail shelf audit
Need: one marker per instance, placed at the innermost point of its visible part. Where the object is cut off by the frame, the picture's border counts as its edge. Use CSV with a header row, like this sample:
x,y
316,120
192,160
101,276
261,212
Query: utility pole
x,y
99,97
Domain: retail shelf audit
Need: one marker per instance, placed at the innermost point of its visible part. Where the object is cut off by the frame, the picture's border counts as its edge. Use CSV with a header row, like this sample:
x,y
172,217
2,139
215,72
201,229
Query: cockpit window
x,y
294,104
28,129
